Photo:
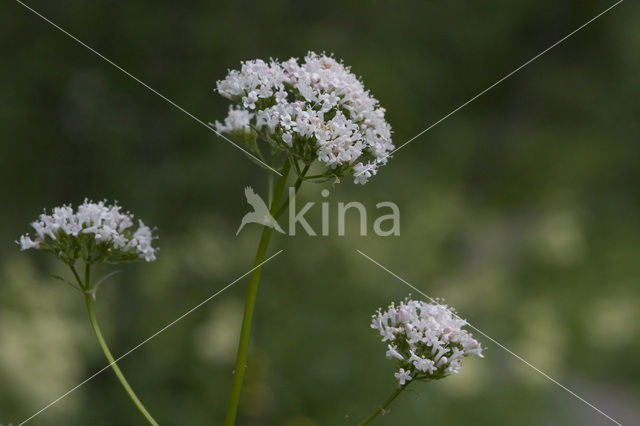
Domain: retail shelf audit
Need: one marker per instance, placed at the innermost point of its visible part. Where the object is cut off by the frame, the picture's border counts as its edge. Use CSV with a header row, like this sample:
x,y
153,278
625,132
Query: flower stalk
x,y
250,301
93,233
86,286
314,111
383,408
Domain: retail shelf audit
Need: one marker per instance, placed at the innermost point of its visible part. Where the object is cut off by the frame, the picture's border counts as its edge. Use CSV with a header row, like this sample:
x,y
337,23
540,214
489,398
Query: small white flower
x,y
236,120
429,339
287,138
362,173
26,242
393,353
402,376
281,96
421,364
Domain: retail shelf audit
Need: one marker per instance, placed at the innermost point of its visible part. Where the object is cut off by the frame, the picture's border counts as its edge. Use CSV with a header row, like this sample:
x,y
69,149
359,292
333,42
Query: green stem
x,y
297,187
75,274
243,344
87,276
384,406
112,362
270,188
107,353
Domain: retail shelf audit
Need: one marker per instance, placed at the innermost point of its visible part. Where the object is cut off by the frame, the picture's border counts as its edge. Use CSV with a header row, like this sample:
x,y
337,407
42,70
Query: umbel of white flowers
x,y
94,232
314,110
427,339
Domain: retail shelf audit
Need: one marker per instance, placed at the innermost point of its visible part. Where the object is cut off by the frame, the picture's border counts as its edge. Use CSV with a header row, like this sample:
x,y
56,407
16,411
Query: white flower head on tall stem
x,y
427,339
314,110
94,232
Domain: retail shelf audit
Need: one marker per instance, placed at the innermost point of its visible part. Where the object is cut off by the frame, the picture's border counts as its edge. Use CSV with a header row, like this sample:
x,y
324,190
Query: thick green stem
x,y
384,406
241,357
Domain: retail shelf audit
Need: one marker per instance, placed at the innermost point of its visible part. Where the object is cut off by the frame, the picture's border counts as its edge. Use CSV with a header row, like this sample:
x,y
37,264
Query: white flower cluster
x,y
96,231
426,338
316,109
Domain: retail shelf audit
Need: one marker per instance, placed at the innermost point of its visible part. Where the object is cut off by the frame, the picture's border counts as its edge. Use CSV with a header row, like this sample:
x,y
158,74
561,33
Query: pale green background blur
x,y
522,210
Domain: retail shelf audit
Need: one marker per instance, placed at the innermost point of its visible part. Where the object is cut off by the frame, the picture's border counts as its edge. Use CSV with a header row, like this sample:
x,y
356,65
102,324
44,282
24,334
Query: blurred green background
x,y
522,210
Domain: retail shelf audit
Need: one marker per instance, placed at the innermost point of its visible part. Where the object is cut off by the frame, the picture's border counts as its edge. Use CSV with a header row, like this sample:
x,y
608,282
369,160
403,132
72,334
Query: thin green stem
x,y
270,188
384,406
299,181
243,344
87,276
103,345
75,274
295,164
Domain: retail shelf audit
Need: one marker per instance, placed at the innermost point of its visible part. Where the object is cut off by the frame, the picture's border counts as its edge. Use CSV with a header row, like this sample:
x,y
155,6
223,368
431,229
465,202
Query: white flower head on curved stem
x,y
315,110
